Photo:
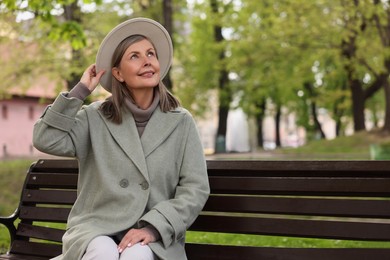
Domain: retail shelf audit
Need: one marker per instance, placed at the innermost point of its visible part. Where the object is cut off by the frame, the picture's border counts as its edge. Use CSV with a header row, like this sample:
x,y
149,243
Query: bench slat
x,y
212,252
296,168
329,229
309,186
56,165
45,233
52,180
35,249
358,208
62,197
21,257
44,214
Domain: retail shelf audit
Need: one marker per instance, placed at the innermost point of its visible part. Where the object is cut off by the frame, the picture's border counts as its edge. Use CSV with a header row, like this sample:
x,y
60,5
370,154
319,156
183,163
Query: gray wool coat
x,y
126,181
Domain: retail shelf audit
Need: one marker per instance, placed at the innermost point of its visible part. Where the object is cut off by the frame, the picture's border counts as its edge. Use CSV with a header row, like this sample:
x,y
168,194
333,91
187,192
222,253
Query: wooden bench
x,y
347,200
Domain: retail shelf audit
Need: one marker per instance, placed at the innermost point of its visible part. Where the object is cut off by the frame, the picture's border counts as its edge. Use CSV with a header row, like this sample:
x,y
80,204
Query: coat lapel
x,y
159,127
126,136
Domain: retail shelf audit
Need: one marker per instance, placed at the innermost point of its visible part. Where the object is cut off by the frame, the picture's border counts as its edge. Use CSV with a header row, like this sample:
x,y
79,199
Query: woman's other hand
x,y
143,235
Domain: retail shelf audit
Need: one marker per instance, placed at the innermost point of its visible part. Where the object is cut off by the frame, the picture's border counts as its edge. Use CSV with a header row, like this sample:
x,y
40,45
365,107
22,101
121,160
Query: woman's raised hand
x,y
90,78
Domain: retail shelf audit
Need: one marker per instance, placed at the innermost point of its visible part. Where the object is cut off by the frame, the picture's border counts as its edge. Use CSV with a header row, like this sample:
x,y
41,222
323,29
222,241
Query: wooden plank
x,y
39,232
302,186
214,252
44,214
52,180
55,165
294,167
337,207
62,197
35,249
293,227
21,257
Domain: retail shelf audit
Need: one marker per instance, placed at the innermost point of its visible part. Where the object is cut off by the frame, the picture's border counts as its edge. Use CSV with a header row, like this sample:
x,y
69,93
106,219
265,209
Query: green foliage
x,y
272,49
71,32
197,62
46,12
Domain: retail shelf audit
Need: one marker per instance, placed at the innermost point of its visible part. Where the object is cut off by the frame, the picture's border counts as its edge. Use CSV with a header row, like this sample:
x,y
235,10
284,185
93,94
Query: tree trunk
x,y
278,116
313,108
386,126
168,24
223,81
72,12
358,104
259,122
317,123
348,51
259,135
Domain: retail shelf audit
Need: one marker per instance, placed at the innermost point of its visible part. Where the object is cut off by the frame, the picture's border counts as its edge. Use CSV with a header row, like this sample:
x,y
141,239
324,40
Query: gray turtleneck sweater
x,y
141,116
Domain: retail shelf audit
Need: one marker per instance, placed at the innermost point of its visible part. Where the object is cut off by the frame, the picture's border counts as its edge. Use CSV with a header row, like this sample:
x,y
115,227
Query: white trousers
x,y
105,248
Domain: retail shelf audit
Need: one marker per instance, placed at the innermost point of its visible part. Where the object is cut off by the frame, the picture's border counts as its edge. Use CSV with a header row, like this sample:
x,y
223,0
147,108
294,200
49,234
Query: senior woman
x,y
143,178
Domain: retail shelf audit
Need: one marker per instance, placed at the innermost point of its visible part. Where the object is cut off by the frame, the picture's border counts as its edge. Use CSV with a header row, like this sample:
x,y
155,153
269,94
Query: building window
x,y
4,112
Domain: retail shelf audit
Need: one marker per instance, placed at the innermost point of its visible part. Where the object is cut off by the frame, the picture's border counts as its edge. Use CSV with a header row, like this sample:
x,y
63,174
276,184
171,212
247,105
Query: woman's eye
x,y
134,56
151,54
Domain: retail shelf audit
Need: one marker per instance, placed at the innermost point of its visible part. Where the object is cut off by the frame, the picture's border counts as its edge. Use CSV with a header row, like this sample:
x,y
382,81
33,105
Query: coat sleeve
x,y
173,217
62,127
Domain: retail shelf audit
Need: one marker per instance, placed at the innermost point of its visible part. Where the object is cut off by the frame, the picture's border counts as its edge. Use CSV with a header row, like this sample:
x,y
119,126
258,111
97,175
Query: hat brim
x,y
141,26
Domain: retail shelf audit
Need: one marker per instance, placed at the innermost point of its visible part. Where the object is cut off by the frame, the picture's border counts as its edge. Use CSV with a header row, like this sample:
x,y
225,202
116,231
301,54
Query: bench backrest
x,y
310,199
48,193
322,199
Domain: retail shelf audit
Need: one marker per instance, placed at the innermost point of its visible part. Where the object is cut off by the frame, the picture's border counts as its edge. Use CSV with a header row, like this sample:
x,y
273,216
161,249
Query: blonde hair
x,y
112,106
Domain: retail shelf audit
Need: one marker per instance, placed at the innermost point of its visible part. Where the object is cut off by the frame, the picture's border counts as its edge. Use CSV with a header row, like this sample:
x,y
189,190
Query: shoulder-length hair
x,y
112,106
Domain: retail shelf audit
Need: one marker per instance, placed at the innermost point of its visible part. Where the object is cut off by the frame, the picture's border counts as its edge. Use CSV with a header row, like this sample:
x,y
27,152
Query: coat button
x,y
145,185
124,183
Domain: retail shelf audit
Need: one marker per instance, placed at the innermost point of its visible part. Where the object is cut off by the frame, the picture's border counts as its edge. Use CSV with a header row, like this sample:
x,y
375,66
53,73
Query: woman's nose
x,y
146,61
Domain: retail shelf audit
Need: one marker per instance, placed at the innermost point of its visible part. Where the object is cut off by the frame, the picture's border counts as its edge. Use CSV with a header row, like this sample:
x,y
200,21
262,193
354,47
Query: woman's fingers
x,y
134,236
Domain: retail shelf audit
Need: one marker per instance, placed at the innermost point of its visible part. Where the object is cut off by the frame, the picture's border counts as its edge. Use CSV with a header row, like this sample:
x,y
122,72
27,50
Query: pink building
x,y
19,110
17,118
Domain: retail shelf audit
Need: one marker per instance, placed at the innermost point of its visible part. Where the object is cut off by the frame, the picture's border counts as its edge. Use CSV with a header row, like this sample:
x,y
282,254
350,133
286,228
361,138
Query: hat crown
x,y
149,28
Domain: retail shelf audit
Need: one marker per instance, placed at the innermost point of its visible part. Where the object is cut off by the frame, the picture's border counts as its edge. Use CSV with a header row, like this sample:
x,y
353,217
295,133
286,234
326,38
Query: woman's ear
x,y
117,74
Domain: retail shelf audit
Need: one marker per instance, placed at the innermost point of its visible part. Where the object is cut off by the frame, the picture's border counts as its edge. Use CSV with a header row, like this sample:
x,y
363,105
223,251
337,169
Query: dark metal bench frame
x,y
347,200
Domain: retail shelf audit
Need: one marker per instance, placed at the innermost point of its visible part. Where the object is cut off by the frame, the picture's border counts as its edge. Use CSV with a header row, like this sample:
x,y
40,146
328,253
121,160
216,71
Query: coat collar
x,y
159,127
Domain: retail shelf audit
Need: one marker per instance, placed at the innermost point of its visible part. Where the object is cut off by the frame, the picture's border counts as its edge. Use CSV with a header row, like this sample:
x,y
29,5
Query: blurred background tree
x,y
267,57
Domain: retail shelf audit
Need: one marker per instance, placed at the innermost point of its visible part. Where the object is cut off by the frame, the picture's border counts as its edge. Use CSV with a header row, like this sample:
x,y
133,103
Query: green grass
x,y
356,147
273,241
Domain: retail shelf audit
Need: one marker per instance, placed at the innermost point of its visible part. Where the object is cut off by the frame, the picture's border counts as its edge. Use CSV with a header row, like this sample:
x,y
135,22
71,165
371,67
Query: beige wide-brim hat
x,y
142,26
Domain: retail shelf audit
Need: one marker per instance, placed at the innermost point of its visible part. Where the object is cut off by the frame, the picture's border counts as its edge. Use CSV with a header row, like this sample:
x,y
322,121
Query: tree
x,y
225,96
203,66
361,56
274,53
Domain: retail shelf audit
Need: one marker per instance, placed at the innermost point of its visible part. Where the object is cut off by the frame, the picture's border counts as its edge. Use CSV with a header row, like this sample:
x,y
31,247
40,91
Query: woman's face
x,y
139,67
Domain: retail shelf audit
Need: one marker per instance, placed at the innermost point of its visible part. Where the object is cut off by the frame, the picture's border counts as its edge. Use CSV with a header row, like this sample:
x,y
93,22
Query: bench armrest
x,y
9,222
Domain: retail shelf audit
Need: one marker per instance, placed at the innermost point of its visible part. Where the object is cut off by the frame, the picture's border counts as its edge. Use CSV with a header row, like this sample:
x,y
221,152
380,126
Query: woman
x,y
143,178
